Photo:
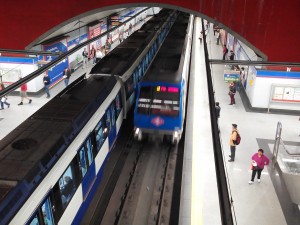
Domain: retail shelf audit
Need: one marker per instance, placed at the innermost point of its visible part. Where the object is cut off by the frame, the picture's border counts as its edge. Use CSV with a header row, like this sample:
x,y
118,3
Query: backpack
x,y
238,139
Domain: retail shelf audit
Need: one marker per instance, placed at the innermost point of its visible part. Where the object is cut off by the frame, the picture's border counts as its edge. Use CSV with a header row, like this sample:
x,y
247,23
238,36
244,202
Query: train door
x,y
87,166
111,124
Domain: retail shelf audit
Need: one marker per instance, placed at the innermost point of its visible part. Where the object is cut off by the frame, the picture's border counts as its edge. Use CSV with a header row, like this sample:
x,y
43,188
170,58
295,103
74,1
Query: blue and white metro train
x,y
51,165
161,98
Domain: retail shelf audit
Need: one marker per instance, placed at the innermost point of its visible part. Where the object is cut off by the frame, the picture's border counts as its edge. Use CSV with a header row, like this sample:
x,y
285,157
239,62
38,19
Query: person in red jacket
x,y
23,94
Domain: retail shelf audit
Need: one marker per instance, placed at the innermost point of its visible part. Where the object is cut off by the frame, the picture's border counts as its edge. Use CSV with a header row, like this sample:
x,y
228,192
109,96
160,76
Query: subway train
x,y
161,98
122,61
51,164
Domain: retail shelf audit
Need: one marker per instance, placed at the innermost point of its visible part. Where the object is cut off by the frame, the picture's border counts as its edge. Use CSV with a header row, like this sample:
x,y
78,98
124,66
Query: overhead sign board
x,y
231,75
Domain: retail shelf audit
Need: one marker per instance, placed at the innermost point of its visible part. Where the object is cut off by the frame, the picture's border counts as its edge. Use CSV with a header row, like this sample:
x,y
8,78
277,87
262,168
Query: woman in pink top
x,y
259,160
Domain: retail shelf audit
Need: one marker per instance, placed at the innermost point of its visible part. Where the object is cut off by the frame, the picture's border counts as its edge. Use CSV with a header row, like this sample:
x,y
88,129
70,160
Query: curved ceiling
x,y
268,26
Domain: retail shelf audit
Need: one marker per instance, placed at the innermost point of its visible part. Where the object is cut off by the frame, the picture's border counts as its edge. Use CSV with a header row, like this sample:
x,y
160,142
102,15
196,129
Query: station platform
x,y
262,203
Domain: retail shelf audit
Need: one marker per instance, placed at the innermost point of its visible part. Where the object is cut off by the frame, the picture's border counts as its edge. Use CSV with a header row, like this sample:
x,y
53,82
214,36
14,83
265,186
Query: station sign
x,y
231,75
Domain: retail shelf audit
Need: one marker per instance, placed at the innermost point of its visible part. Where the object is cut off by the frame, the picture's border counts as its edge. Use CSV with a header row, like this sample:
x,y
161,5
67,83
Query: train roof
x,y
30,150
165,66
121,58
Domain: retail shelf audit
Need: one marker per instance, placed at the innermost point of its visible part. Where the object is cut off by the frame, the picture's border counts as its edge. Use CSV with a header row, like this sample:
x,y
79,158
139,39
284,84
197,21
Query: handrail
x,y
257,63
39,71
287,151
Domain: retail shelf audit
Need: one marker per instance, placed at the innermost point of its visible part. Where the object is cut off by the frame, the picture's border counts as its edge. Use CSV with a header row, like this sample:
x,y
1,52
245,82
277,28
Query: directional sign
x,y
231,75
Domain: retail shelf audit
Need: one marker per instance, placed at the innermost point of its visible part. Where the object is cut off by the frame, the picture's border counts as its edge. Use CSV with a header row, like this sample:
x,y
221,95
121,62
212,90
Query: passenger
x,y
3,98
201,36
85,55
107,46
231,93
23,94
46,81
225,51
231,142
259,160
218,37
67,74
93,54
218,110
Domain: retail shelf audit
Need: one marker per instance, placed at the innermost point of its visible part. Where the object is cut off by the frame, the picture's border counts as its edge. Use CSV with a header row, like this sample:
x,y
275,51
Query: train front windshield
x,y
159,100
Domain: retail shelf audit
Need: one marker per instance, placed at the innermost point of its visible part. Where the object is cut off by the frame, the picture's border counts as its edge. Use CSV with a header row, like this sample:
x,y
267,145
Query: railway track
x,y
143,192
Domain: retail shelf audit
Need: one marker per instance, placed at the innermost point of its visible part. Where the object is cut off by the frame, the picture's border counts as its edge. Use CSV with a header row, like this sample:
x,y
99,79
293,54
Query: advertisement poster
x,y
286,94
95,31
56,72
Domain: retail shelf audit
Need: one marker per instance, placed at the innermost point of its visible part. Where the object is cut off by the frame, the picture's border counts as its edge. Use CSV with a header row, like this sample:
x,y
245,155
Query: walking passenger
x,y
232,144
93,54
23,94
3,98
259,160
46,81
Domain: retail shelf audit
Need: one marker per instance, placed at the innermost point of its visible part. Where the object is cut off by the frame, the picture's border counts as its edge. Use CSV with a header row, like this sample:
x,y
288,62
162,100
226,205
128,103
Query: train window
x,y
47,213
144,100
99,133
135,79
108,119
89,148
82,161
34,221
67,187
113,118
166,101
129,87
118,104
140,72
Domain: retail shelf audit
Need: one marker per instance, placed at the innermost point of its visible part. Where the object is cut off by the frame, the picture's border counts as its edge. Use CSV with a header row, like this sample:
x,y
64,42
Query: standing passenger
x,y
231,93
46,81
85,55
93,54
259,160
232,142
225,51
67,74
218,110
218,37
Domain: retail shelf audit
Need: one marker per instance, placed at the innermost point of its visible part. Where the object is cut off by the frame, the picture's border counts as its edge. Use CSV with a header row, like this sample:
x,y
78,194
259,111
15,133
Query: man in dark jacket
x,y
46,81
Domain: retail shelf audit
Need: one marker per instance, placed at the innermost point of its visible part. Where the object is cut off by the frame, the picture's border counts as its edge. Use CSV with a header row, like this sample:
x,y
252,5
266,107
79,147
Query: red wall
x,y
271,26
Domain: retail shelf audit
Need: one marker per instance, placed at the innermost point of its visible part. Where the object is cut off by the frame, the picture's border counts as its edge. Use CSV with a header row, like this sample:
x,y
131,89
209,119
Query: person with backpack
x,y
234,140
259,160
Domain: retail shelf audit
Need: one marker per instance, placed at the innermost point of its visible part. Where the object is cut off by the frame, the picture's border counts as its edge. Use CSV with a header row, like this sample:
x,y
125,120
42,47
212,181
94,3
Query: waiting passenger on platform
x,y
23,94
85,55
218,37
107,46
46,81
67,74
259,160
231,93
93,54
3,98
225,51
201,36
231,142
